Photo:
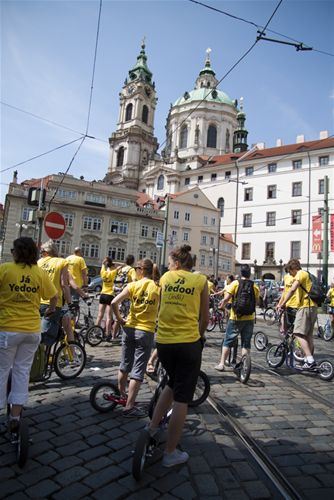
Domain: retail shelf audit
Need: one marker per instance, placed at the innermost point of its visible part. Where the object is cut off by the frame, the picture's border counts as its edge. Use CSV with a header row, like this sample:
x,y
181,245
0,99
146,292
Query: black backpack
x,y
317,292
244,302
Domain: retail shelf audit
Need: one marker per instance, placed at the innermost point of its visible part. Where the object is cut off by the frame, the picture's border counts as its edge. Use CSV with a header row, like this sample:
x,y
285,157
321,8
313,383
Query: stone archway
x,y
268,276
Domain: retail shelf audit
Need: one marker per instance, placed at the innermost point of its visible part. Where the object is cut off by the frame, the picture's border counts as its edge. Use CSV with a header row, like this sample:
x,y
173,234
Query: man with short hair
x,y
306,315
78,270
243,324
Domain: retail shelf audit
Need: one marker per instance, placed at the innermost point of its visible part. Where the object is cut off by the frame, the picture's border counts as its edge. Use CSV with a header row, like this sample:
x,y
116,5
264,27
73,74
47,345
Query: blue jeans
x,y
50,325
234,328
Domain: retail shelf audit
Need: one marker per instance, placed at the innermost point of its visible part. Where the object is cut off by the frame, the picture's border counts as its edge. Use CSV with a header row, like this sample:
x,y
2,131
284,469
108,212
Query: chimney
x,y
260,145
279,143
300,139
15,177
323,134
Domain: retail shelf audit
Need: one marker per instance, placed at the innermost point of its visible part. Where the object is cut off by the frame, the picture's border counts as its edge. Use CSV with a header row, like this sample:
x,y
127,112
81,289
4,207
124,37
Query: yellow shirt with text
x,y
293,301
76,265
330,294
21,290
232,289
302,297
180,307
53,266
144,295
108,277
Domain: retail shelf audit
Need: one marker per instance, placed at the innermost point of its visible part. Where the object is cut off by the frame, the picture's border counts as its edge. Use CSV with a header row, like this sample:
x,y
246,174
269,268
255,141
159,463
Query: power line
x,y
42,154
48,121
257,26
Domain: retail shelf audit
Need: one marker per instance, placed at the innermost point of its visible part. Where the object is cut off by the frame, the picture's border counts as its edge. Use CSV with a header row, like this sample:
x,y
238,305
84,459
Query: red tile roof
x,y
291,148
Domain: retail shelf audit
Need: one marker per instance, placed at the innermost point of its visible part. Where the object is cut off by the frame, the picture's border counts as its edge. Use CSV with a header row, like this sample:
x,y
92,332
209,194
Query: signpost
x,y
54,225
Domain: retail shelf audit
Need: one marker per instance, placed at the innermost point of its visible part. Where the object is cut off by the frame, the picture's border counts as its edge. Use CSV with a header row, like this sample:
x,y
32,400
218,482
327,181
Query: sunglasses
x,y
138,267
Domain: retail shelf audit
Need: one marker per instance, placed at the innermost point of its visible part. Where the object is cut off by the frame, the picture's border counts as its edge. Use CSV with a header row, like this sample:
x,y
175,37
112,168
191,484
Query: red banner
x,y
332,232
316,234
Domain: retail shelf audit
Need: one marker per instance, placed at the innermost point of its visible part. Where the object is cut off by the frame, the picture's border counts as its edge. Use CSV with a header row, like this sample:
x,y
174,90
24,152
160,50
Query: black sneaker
x,y
309,366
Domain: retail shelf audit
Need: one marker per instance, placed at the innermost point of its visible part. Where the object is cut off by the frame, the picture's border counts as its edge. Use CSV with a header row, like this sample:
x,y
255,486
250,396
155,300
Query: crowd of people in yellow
x,y
173,310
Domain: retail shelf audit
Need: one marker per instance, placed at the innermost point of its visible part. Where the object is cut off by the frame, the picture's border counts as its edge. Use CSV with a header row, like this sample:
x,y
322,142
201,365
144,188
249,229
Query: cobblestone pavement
x,y
78,453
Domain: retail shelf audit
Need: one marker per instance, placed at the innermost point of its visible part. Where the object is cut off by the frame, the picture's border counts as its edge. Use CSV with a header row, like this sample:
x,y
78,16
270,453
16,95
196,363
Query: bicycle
x,y
216,316
242,366
96,334
260,340
147,444
66,358
326,332
287,350
271,316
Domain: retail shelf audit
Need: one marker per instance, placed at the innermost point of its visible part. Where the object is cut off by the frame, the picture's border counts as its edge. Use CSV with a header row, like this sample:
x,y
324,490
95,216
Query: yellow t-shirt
x,y
76,265
132,275
330,294
180,307
293,301
21,290
108,277
302,297
53,266
232,289
144,296
211,287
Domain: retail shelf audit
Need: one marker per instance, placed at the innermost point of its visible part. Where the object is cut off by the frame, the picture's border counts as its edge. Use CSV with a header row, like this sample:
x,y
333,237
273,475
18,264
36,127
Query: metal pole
x,y
165,233
218,245
236,205
40,217
309,212
325,234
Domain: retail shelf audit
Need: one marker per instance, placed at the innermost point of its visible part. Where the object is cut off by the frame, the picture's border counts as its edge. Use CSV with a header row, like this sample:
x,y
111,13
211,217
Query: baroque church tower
x,y
133,143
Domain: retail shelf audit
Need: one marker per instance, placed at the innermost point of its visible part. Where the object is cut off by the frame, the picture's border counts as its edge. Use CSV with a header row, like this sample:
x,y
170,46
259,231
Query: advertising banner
x,y
316,234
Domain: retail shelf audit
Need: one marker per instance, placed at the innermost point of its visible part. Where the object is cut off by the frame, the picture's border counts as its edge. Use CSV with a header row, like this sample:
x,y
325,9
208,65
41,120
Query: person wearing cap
x,y
57,270
78,270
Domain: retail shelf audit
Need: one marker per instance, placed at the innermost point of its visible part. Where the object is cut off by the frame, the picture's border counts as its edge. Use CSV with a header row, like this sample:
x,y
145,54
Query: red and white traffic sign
x,y
54,225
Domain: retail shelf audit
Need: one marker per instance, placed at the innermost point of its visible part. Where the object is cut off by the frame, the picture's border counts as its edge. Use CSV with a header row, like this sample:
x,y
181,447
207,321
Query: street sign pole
x,y
325,234
40,216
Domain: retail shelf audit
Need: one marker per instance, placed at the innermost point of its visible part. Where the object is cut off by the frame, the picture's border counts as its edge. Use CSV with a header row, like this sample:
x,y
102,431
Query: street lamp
x,y
21,226
281,268
214,252
255,269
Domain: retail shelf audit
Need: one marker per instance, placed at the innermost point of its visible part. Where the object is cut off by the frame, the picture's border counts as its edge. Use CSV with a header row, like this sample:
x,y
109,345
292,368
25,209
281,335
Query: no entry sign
x,y
54,225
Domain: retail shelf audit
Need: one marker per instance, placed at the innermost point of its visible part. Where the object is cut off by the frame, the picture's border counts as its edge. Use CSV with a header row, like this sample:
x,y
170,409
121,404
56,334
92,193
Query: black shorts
x,y
182,363
106,299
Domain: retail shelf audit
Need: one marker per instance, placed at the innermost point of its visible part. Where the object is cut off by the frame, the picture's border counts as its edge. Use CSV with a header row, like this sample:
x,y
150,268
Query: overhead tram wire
x,y
247,21
226,74
48,121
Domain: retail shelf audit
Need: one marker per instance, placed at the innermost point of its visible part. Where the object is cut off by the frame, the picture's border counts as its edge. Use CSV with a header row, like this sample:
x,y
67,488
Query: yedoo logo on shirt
x,y
23,286
178,288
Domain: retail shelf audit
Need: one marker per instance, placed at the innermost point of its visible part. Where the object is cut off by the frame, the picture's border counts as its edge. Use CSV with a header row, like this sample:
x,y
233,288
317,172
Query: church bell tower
x,y
133,143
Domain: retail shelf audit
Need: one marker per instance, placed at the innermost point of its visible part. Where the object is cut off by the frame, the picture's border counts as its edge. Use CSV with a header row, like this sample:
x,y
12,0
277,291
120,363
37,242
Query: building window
x,y
295,250
272,167
212,137
203,240
205,220
212,240
323,160
144,115
141,254
26,212
183,137
221,206
174,236
213,221
270,250
271,192
154,256
200,179
187,216
95,198
155,232
92,223
202,260
227,174
119,227
321,186
90,250
128,112
121,203
185,236
296,164
296,216
187,181
246,251
120,156
248,194
64,247
210,261
296,189
161,182
176,214
64,193
116,253
247,222
271,218
213,177
144,231
249,171
69,219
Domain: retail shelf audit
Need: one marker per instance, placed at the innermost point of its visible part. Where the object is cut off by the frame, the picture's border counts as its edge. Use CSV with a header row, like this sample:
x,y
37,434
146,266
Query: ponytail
x,y
156,274
183,256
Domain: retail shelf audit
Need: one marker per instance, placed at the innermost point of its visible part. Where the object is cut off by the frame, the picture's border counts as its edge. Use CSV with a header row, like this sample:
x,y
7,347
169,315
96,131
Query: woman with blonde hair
x,y
108,273
139,330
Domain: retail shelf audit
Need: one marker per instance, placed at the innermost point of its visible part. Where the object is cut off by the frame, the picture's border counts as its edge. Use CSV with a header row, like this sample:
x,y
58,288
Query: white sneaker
x,y
175,458
219,367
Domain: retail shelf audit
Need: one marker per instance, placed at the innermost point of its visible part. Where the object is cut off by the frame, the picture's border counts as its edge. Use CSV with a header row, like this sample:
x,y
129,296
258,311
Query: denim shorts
x,y
234,328
50,325
136,350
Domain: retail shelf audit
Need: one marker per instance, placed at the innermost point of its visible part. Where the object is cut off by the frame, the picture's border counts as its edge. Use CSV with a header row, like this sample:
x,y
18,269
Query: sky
x,y
47,53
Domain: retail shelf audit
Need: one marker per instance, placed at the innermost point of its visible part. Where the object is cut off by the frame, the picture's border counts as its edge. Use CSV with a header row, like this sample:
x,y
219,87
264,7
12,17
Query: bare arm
x,y
84,277
75,286
114,304
204,311
64,282
227,297
288,296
